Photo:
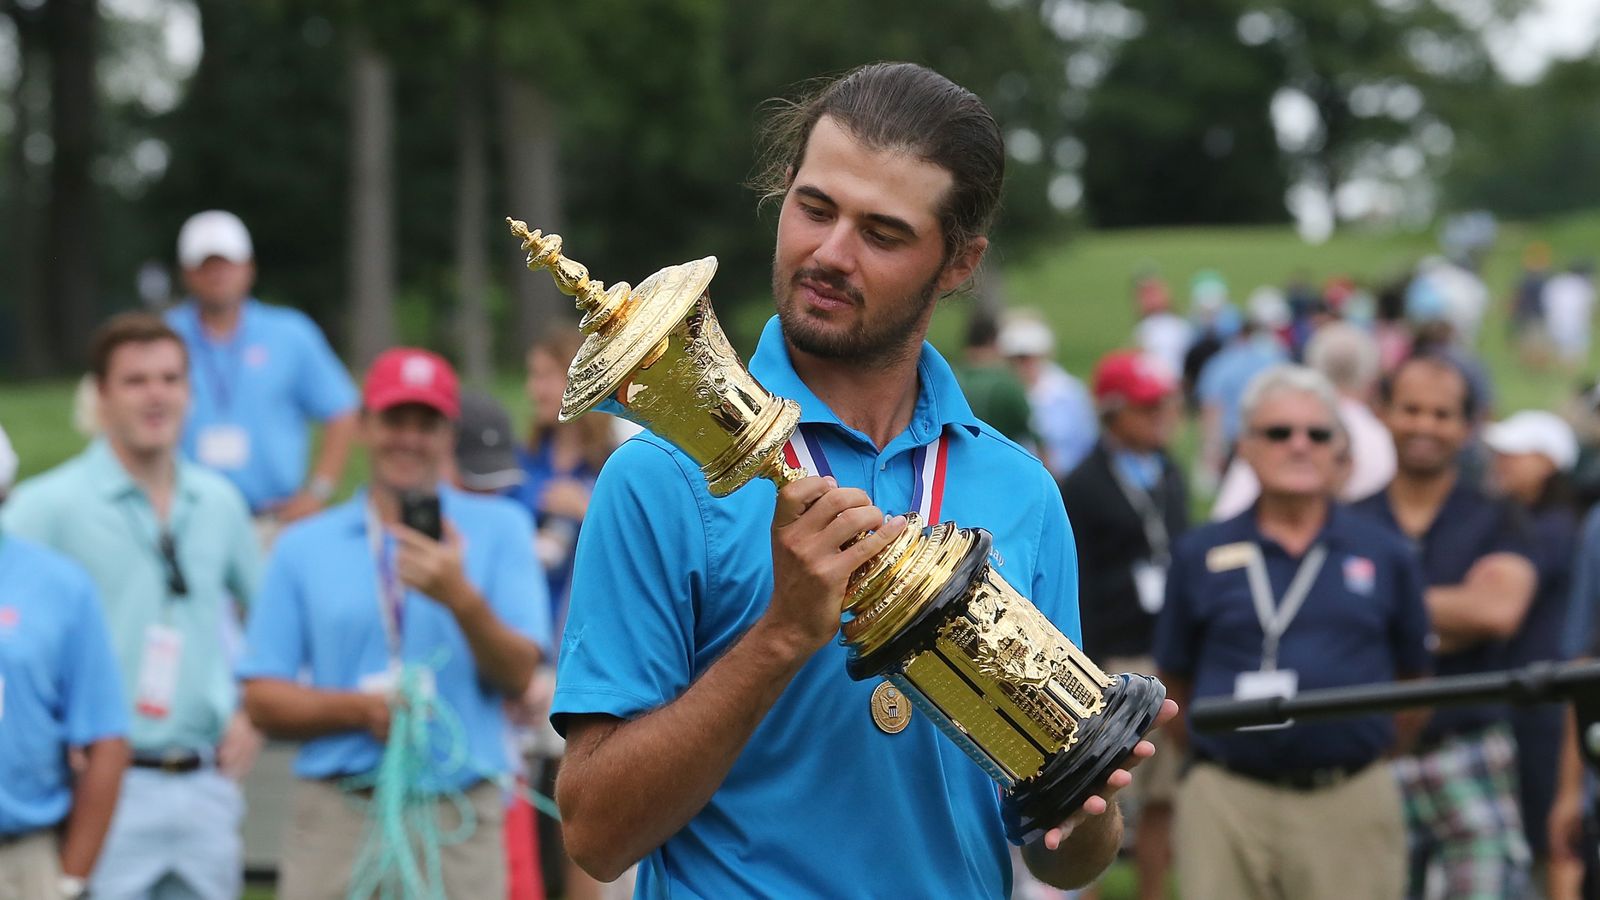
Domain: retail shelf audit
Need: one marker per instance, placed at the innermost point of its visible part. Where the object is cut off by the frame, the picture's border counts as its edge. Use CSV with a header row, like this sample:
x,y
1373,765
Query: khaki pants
x,y
1240,839
30,869
324,837
1156,780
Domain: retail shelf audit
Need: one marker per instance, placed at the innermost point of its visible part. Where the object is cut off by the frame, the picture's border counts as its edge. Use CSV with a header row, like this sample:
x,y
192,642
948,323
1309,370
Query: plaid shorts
x,y
1461,814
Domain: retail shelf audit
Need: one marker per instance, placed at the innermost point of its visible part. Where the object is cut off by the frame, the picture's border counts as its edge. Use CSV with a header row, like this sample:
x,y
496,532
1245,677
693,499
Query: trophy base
x,y
1044,801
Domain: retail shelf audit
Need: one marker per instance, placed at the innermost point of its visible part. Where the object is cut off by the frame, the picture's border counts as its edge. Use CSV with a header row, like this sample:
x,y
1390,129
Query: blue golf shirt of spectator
x,y
59,686
819,802
318,614
1363,622
274,375
1469,526
1223,380
92,510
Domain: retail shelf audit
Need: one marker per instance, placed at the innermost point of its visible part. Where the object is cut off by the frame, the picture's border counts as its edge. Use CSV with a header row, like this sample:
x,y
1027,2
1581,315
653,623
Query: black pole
x,y
1537,683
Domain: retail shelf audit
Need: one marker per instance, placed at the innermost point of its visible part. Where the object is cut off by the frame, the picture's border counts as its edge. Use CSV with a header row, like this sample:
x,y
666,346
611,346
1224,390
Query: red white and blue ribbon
x,y
928,465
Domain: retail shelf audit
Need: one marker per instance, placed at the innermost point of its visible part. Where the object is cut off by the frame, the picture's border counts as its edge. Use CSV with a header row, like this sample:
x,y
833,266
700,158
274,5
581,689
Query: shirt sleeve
x,y
323,388
517,590
1579,638
28,513
642,569
276,642
96,706
244,552
1055,575
1171,646
1410,626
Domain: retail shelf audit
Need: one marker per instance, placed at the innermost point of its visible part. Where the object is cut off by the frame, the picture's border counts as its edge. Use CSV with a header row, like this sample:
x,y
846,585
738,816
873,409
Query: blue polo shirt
x,y
59,686
317,619
1469,526
1223,380
271,378
819,802
1363,622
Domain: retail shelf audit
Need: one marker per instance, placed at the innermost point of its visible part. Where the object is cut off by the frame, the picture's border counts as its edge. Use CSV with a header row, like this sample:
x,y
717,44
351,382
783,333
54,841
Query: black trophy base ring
x,y
1044,801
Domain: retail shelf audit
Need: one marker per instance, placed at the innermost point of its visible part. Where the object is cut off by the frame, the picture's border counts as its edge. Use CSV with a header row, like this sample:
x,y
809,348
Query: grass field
x,y
1082,287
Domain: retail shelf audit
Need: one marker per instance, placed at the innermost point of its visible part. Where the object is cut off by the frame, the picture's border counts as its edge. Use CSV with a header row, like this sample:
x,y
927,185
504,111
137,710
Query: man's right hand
x,y
811,565
376,714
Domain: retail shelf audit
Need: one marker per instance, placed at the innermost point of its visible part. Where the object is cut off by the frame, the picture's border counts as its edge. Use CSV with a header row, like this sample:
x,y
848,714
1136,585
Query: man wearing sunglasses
x,y
169,545
1459,780
1293,594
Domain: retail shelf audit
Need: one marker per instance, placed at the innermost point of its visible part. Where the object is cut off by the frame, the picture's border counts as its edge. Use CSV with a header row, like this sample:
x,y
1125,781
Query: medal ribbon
x,y
928,465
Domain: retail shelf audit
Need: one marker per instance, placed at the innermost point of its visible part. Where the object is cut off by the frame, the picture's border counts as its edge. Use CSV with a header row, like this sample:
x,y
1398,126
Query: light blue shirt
x,y
819,802
273,377
318,619
90,509
1225,376
58,682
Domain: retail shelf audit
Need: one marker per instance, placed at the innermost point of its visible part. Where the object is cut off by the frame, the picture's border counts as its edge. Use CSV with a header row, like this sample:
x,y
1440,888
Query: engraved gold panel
x,y
976,718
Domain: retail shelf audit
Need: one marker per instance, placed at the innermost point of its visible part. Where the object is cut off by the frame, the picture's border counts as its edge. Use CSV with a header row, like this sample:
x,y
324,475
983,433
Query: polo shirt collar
x,y
351,515
1243,527
188,319
940,401
111,479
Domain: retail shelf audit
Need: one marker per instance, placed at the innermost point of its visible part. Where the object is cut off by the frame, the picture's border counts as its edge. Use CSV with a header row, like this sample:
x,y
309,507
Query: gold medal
x,y
891,708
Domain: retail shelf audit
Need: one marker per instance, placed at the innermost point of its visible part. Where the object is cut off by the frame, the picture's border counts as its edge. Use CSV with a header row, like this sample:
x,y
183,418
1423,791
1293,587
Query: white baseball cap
x,y
1535,431
8,463
1025,334
214,232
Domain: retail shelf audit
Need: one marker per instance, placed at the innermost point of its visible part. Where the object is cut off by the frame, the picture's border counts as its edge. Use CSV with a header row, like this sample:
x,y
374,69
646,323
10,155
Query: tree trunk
x,y
530,144
372,226
73,224
22,208
472,250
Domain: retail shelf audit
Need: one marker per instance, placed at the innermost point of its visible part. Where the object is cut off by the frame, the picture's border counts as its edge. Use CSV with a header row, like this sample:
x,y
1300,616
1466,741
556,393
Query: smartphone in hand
x,y
420,512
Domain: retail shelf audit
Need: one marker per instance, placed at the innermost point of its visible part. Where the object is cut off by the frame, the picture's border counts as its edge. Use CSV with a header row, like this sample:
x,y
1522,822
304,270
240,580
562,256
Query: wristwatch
x,y
321,488
73,888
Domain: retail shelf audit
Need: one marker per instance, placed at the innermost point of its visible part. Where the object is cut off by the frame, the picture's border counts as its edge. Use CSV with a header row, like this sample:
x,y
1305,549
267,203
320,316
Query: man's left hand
x,y
1121,778
297,507
435,568
240,746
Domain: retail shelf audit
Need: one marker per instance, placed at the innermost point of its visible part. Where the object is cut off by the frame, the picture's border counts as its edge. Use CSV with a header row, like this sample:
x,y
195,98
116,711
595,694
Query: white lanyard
x,y
391,591
1150,518
1274,622
928,465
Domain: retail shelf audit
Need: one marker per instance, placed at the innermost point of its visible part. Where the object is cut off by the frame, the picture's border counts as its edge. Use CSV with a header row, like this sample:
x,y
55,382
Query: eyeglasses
x,y
1280,434
176,583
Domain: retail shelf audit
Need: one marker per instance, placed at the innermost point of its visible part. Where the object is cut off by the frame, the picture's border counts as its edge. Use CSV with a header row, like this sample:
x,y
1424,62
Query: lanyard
x,y
1150,518
928,465
163,546
391,592
1274,622
222,364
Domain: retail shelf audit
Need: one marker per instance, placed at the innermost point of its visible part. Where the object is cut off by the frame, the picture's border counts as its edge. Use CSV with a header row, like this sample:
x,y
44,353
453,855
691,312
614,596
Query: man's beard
x,y
875,344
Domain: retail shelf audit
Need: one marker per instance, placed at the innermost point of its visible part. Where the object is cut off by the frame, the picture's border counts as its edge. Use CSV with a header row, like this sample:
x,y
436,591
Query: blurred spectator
x,y
1465,296
1214,322
994,391
1127,503
1568,302
260,374
1461,806
1348,358
1533,451
1063,416
1526,322
59,693
169,545
1222,382
1435,334
1573,814
1391,329
485,460
1161,333
1297,592
354,596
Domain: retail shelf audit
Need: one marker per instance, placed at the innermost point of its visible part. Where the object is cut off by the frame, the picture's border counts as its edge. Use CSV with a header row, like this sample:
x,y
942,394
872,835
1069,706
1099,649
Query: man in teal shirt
x,y
169,545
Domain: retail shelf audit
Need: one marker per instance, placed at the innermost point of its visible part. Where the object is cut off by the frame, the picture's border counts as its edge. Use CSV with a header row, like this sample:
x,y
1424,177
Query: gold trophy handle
x,y
781,473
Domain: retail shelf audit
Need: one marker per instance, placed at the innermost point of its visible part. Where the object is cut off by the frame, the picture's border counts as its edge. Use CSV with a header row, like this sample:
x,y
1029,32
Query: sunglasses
x,y
177,585
1280,434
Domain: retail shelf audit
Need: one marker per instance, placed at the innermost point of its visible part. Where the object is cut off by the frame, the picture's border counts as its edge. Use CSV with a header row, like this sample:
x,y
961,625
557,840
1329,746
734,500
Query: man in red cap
x,y
409,583
1127,502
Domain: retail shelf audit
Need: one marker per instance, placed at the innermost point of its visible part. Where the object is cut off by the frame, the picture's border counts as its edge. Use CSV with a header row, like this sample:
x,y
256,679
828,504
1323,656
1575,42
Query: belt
x,y
172,762
1295,779
18,837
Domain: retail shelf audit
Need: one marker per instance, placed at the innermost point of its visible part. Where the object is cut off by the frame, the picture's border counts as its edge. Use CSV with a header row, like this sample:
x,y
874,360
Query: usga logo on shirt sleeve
x,y
1360,574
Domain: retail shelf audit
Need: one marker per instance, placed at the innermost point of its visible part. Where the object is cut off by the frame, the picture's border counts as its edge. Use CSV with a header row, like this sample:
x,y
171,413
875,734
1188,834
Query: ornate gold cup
x,y
928,612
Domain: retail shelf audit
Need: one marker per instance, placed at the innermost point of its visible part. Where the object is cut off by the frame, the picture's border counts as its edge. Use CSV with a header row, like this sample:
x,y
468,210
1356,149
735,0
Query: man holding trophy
x,y
713,733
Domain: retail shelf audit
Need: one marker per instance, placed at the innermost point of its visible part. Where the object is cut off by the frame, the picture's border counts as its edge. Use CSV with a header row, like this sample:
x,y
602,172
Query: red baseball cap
x,y
1133,378
409,375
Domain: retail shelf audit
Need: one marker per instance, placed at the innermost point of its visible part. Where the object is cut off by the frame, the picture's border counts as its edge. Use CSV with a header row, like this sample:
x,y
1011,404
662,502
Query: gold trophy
x,y
928,613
